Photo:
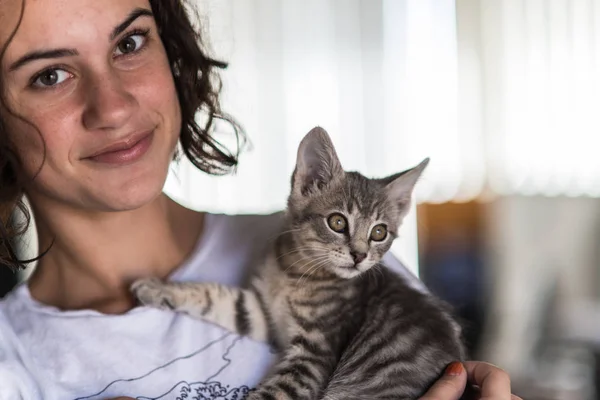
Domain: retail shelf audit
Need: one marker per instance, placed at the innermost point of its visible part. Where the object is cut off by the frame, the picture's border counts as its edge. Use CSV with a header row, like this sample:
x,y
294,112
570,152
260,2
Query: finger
x,y
493,381
513,397
450,386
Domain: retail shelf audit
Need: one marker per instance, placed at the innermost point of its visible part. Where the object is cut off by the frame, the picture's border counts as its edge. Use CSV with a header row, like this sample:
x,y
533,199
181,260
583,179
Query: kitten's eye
x,y
379,233
337,222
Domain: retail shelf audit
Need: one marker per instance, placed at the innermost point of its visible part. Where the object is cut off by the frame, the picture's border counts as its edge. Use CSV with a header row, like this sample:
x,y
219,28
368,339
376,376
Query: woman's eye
x,y
379,233
51,77
130,44
337,223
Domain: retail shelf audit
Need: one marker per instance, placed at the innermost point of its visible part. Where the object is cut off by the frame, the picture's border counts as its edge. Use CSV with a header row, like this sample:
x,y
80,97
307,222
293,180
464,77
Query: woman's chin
x,y
129,198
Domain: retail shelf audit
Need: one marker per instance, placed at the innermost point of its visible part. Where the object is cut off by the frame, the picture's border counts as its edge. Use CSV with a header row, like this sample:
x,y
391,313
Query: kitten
x,y
347,327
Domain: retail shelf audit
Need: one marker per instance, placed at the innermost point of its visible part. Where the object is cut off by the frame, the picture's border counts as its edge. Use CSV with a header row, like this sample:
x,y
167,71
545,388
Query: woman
x,y
95,97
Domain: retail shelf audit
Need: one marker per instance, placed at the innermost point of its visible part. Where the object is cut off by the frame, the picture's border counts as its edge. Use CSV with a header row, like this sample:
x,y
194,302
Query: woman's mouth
x,y
126,151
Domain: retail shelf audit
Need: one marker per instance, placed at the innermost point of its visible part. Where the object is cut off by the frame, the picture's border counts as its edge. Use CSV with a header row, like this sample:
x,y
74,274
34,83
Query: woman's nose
x,y
108,103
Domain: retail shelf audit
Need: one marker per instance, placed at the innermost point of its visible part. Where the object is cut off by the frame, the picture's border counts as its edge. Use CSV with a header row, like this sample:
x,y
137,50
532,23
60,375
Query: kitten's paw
x,y
153,292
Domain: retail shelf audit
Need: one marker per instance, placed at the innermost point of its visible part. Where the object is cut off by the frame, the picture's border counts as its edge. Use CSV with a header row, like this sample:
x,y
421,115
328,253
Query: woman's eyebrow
x,y
59,53
41,55
135,14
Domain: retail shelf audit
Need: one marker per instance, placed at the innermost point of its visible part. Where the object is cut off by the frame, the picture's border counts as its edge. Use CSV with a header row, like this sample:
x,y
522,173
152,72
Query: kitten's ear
x,y
400,186
317,163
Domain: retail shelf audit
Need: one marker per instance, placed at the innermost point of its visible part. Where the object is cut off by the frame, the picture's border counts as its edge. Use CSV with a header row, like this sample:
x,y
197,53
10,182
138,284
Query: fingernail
x,y
454,369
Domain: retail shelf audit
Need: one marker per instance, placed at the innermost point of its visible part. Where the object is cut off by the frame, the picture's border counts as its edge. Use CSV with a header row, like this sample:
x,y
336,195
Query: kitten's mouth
x,y
353,266
347,271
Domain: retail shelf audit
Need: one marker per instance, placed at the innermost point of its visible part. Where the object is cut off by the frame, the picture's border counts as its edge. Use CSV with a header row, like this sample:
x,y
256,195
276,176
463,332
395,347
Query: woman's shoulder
x,y
262,223
243,229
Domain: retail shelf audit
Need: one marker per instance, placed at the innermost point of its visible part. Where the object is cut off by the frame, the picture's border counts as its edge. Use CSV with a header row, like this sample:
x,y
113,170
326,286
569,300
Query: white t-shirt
x,y
145,353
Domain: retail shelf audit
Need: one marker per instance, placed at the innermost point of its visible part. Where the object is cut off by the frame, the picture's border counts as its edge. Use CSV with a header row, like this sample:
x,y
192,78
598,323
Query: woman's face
x,y
93,78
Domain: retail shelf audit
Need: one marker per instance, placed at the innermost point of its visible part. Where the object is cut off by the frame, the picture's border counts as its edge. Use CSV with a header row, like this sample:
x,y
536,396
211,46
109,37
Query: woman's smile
x,y
125,151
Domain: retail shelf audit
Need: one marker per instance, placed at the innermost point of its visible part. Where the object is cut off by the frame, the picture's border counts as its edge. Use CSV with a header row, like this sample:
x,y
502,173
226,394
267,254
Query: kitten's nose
x,y
358,257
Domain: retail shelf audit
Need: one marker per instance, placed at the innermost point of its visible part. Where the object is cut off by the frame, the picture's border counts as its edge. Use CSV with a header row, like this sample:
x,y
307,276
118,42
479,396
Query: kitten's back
x,y
406,340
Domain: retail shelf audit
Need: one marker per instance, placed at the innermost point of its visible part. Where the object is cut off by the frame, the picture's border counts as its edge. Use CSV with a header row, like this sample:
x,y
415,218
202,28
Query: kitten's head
x,y
341,220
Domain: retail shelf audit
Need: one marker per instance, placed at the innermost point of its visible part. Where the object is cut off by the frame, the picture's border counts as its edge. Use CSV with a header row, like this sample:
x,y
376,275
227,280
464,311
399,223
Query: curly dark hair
x,y
198,87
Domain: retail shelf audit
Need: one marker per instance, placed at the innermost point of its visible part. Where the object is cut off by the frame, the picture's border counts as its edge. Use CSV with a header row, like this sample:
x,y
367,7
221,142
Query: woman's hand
x,y
491,383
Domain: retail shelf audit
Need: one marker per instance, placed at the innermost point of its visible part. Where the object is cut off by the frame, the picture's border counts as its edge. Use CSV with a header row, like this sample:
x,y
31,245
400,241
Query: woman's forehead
x,y
60,23
9,16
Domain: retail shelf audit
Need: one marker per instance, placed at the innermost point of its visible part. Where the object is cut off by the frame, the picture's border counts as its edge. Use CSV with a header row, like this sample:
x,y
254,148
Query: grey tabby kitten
x,y
347,327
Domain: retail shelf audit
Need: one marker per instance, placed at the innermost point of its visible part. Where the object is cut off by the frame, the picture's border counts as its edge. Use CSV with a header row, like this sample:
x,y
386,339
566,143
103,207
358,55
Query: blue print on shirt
x,y
207,389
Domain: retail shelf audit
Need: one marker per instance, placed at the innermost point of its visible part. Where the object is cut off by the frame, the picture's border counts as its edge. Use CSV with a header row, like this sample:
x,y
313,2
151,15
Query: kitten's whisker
x,y
308,263
368,273
314,255
317,253
318,260
311,259
307,247
283,233
317,267
371,273
312,270
379,269
300,248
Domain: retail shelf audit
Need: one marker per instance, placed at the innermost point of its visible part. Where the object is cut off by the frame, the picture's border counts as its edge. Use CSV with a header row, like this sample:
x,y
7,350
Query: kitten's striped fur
x,y
347,327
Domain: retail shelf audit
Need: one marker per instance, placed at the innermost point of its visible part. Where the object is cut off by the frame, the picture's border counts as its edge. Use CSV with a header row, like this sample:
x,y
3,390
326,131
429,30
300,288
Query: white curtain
x,y
379,75
530,70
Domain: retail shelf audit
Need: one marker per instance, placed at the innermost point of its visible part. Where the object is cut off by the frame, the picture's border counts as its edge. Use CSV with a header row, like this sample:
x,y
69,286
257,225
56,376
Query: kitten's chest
x,y
273,286
293,298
